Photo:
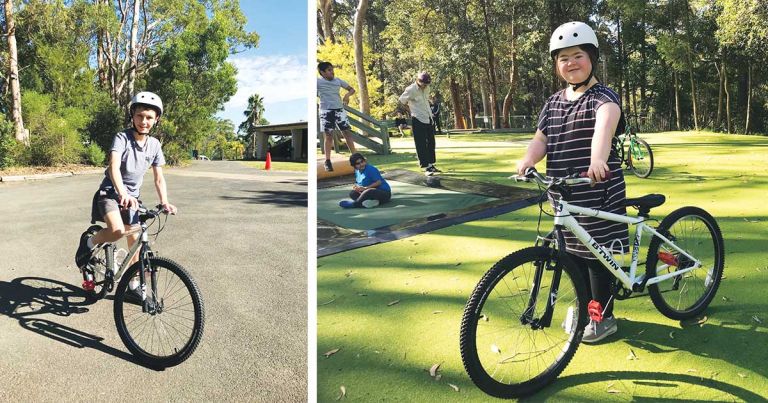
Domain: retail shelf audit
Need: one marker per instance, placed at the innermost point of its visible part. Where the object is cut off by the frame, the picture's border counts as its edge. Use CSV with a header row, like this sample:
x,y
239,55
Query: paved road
x,y
243,235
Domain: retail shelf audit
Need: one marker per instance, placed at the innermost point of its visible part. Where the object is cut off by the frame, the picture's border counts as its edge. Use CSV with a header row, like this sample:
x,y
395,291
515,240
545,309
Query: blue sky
x,y
277,68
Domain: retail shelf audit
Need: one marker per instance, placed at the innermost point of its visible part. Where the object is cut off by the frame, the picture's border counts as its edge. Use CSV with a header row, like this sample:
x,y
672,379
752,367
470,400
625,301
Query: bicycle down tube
x,y
604,256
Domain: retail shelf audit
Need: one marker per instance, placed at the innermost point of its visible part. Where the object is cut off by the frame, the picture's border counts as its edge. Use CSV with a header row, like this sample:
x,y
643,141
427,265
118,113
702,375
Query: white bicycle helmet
x,y
572,33
149,99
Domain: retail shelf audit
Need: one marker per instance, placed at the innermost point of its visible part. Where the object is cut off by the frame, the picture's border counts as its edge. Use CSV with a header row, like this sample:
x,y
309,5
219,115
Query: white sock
x,y
89,243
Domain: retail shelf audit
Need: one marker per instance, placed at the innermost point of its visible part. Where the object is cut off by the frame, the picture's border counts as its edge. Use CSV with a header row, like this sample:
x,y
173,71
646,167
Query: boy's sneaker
x,y
370,203
595,332
429,171
84,253
435,169
346,204
328,166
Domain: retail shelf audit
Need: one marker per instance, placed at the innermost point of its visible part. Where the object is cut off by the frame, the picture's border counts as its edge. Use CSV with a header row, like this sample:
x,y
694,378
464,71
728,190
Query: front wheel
x,y
696,232
165,328
507,346
640,158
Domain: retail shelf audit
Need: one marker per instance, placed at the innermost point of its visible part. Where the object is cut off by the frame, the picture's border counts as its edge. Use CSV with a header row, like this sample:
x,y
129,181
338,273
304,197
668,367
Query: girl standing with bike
x,y
575,130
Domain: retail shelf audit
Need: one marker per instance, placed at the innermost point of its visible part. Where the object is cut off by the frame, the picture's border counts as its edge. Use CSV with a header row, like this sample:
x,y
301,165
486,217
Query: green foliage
x,y
12,153
94,155
174,153
56,133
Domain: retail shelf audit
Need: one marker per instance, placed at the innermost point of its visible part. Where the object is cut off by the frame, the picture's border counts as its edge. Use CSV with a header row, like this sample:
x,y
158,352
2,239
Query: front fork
x,y
150,304
552,264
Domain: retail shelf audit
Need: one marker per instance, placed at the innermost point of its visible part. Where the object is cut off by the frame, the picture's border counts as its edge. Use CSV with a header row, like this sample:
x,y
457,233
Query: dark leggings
x,y
599,281
382,196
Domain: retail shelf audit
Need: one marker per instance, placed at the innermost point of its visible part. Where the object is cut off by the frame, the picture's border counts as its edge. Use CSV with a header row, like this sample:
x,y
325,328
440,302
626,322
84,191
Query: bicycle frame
x,y
143,243
631,281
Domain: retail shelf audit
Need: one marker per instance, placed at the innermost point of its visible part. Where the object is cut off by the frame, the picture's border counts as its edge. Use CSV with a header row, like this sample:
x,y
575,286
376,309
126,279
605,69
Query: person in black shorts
x,y
332,113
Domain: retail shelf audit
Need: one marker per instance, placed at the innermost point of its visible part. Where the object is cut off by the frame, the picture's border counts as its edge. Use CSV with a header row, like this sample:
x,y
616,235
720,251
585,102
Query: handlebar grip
x,y
608,175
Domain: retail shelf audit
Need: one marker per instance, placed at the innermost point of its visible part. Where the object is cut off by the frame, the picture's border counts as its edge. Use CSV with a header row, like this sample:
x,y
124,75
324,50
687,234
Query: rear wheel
x,y
166,328
507,349
640,157
696,232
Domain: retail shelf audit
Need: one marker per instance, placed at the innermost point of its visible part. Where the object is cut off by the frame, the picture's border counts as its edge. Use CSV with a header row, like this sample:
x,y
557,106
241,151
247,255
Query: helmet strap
x,y
575,86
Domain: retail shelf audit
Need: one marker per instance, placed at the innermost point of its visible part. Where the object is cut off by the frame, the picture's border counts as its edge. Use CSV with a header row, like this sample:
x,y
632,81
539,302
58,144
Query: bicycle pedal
x,y
89,285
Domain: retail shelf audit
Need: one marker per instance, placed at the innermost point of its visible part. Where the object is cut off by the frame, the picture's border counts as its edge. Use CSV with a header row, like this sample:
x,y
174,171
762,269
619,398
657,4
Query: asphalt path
x,y
241,232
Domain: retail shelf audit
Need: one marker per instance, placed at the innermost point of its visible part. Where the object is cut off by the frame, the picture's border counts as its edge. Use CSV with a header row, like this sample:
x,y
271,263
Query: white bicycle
x,y
526,317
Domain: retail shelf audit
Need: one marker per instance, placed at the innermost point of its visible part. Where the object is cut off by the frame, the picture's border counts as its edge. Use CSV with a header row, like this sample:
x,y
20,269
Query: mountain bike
x,y
525,318
638,156
158,308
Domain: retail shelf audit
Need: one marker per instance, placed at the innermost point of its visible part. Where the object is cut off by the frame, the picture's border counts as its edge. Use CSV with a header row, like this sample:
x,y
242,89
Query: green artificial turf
x,y
393,310
408,202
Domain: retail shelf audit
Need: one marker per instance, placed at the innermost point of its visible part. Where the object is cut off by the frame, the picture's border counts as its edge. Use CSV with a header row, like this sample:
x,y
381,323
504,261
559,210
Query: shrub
x,y
55,136
94,155
174,154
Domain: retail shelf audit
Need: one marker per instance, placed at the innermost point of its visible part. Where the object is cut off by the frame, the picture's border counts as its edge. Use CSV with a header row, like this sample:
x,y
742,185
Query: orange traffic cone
x,y
268,165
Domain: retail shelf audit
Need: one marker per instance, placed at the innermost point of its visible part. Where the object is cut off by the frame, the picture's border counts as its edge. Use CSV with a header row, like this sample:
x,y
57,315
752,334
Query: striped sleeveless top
x,y
569,126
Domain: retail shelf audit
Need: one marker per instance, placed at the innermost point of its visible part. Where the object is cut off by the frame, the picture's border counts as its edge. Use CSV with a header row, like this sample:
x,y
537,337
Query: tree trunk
x,y
506,110
326,7
749,97
727,99
484,95
491,68
13,74
470,102
693,96
719,119
458,121
357,37
133,52
689,61
677,101
621,58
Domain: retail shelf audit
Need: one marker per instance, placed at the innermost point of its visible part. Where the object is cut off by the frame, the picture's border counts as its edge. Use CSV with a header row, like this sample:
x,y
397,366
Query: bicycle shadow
x,y
25,298
741,347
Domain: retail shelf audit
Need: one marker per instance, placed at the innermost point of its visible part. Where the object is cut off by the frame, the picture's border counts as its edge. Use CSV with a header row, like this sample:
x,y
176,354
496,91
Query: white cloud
x,y
277,78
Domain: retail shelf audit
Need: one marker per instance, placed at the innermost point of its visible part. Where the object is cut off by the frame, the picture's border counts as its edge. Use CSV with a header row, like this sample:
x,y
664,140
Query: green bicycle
x,y
638,156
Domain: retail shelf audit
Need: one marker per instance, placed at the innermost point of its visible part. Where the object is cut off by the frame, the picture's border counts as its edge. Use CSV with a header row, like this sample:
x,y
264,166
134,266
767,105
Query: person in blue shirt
x,y
370,188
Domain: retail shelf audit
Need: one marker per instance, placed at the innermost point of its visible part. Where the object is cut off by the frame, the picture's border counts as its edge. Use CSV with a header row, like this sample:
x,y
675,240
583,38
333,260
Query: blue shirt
x,y
370,175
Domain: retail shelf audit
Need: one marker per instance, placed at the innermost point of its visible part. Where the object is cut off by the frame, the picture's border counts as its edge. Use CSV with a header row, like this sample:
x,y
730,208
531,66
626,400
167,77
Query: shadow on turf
x,y
624,382
25,298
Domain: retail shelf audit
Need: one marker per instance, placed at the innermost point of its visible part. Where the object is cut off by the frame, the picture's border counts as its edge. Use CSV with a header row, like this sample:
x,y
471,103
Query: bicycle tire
x,y
97,269
475,309
646,166
672,227
180,353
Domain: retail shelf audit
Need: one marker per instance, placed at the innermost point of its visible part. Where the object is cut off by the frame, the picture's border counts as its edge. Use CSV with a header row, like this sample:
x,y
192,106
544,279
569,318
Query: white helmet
x,y
149,99
572,33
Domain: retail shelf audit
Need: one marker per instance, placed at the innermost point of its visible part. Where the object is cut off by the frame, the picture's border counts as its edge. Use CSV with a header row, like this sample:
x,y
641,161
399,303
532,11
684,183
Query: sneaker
x,y
84,253
346,204
595,332
133,293
435,169
429,171
328,166
370,203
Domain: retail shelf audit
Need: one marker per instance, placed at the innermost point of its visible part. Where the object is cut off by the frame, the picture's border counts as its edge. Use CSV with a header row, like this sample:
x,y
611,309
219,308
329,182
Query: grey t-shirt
x,y
328,91
135,160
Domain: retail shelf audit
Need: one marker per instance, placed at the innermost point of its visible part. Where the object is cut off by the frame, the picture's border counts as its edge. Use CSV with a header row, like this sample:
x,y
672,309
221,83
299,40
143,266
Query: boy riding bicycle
x,y
116,201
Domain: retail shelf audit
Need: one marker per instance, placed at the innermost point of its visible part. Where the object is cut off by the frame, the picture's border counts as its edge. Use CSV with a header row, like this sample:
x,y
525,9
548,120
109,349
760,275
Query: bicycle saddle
x,y
646,203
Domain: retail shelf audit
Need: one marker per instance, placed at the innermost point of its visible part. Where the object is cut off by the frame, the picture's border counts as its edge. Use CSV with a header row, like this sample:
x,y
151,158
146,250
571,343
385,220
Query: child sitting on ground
x,y
370,188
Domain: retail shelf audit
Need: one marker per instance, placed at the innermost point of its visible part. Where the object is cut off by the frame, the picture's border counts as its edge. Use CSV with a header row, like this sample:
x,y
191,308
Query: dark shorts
x,y
104,201
332,119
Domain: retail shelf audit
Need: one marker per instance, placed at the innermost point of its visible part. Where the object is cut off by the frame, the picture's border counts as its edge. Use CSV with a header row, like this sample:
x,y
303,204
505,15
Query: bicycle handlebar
x,y
532,175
